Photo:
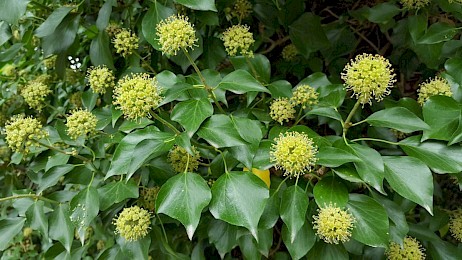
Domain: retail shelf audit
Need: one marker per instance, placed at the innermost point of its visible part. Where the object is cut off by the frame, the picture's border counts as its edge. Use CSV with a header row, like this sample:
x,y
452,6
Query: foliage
x,y
230,129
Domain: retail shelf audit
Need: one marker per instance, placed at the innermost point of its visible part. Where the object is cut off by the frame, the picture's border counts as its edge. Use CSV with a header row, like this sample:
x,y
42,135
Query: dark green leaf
x,y
293,209
183,197
240,82
442,114
453,67
280,88
323,251
398,118
223,236
382,13
326,111
348,173
9,227
307,34
104,14
84,207
116,192
156,13
330,191
259,62
334,157
303,242
203,5
249,130
37,219
63,37
438,32
53,21
12,10
219,131
136,249
61,226
191,113
51,177
100,54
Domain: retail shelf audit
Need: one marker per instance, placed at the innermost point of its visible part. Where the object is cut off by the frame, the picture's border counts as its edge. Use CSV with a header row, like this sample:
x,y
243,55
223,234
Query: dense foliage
x,y
245,129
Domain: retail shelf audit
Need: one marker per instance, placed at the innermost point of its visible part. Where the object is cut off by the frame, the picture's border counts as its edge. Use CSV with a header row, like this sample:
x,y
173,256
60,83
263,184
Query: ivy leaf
x,y
239,198
303,240
37,219
437,155
84,207
323,251
240,82
9,227
442,114
307,34
100,54
223,236
371,221
52,22
329,190
410,178
398,118
191,113
260,63
156,13
219,131
116,192
12,10
136,249
61,226
249,130
453,67
183,197
293,209
203,5
334,157
438,32
329,112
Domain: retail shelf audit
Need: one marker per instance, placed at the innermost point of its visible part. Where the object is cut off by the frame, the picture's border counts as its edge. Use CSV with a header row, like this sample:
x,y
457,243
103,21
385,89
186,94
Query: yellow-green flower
x,y
9,70
81,123
433,87
281,110
294,152
415,4
305,95
148,197
289,52
133,223
176,33
333,224
5,153
112,29
238,39
34,94
125,42
100,79
136,95
369,76
178,158
242,9
22,133
455,224
76,99
43,78
50,62
411,250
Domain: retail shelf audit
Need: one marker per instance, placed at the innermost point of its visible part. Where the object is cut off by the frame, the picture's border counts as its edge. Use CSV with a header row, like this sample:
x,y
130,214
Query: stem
x,y
163,229
347,123
375,140
252,68
280,184
224,160
360,122
40,5
299,116
145,62
63,152
164,122
20,196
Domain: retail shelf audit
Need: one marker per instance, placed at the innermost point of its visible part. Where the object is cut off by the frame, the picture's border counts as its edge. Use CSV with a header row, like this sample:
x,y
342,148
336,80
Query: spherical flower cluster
x,y
369,76
238,38
148,197
125,42
43,78
133,223
76,99
112,29
294,152
9,70
178,158
455,224
136,95
333,224
175,33
242,9
282,109
411,250
305,95
81,123
34,94
433,87
289,52
50,62
5,153
414,4
100,79
21,133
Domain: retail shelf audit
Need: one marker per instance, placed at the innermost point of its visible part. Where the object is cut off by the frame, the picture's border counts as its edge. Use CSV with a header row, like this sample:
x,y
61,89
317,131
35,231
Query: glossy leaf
x,y
219,131
156,13
293,209
116,192
398,118
223,236
12,10
191,113
260,63
307,34
84,207
203,5
61,226
9,227
52,22
323,251
37,218
329,190
438,32
442,114
302,243
240,82
334,157
329,112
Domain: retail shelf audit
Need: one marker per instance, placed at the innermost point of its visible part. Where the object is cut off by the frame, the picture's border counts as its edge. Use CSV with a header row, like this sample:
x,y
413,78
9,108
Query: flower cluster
x,y
125,42
241,9
411,250
9,70
282,109
333,224
238,39
34,94
294,152
179,158
133,223
50,62
455,224
136,95
305,95
81,123
100,79
175,33
433,87
21,133
43,78
148,198
414,4
113,29
76,99
369,76
289,52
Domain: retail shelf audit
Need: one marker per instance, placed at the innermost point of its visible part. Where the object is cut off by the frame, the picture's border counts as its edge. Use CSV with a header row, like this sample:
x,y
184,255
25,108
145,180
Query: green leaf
x,y
249,130
329,112
334,157
61,226
12,10
323,251
203,5
398,118
417,26
438,32
116,192
51,177
37,219
156,13
302,243
9,227
261,160
240,82
62,37
136,249
191,113
332,95
100,54
307,34
382,13
371,221
138,147
52,22
453,67
104,14
239,198
219,131
329,190
442,114
84,207
410,178
5,33
293,209
348,173
260,63
223,236
398,227
270,216
280,88
183,197
437,155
